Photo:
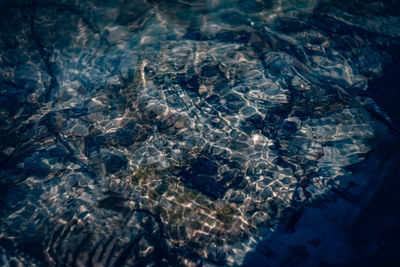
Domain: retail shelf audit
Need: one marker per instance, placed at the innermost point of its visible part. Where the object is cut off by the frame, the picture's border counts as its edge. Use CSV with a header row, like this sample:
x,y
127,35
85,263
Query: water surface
x,y
182,133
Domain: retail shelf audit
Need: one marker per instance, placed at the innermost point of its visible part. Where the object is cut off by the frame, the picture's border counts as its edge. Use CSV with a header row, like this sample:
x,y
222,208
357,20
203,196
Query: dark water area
x,y
199,133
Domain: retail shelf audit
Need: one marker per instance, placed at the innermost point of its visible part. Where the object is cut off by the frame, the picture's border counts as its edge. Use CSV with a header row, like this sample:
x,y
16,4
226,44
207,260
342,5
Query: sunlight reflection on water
x,y
173,132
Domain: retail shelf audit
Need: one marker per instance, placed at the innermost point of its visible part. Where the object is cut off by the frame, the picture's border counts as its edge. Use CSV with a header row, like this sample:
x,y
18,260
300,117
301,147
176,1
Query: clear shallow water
x,y
179,133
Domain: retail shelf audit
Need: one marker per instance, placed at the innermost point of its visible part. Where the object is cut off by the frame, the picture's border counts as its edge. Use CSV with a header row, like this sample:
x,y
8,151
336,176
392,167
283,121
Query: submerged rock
x,y
179,133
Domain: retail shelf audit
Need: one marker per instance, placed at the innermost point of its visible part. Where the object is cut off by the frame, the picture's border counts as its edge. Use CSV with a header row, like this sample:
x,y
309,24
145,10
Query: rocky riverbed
x,y
210,133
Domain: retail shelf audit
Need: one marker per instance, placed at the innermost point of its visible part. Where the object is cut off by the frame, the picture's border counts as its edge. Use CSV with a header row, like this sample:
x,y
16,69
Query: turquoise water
x,y
181,133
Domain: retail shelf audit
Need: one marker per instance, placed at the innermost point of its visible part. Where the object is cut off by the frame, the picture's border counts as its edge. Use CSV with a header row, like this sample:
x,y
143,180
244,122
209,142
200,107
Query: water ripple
x,y
163,133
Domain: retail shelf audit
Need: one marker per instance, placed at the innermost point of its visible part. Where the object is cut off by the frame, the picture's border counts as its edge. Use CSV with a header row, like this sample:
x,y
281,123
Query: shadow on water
x,y
338,231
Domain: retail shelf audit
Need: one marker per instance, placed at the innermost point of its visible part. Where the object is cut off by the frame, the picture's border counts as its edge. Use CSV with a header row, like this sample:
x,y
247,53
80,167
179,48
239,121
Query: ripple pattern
x,y
176,133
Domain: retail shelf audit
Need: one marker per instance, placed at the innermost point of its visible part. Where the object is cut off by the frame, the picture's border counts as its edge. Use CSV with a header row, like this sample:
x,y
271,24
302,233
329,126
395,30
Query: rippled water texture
x,y
179,133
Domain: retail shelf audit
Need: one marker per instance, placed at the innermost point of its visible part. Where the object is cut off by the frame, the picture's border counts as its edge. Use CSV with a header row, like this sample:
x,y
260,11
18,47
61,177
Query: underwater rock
x,y
177,133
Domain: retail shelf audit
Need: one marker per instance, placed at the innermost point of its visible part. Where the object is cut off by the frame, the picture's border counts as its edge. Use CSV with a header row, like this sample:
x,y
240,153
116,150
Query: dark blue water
x,y
199,133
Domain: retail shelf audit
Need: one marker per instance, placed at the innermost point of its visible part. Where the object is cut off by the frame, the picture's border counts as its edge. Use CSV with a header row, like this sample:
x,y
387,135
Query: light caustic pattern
x,y
176,133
